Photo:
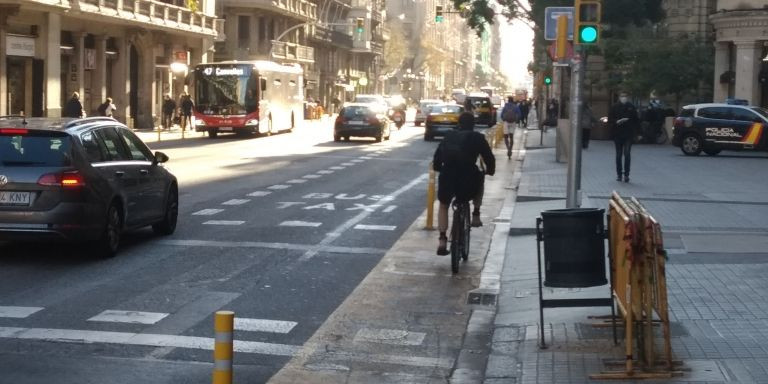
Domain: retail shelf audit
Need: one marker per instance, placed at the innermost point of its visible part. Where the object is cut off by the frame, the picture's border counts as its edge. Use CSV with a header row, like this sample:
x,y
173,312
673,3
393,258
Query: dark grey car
x,y
81,180
361,120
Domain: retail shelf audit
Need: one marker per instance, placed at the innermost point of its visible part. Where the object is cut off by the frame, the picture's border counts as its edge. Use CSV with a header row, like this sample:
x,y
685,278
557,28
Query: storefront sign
x,y
20,46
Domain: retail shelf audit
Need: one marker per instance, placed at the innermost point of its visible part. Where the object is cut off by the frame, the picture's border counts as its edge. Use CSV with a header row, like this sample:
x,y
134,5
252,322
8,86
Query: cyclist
x,y
459,175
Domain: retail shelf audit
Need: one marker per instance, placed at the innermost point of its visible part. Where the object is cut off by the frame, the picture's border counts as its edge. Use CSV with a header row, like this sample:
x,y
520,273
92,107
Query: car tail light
x,y
14,131
681,122
373,120
340,119
71,179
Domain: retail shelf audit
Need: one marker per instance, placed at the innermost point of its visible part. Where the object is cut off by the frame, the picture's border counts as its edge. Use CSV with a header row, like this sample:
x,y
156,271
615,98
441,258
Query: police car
x,y
714,127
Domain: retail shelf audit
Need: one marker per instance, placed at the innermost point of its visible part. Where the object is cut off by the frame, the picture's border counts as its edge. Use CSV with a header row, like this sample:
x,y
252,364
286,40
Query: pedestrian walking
x,y
510,116
186,110
107,108
169,107
587,121
623,121
525,108
73,107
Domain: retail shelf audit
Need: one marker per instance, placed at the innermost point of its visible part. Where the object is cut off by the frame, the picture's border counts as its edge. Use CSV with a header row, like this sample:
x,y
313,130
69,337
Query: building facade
x,y
133,51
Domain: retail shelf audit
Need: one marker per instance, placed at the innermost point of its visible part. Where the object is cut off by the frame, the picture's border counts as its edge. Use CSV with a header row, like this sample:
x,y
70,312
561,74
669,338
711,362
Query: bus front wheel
x,y
212,133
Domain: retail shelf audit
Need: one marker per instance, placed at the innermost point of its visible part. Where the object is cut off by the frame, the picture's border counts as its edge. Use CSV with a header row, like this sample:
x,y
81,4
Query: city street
x,y
279,229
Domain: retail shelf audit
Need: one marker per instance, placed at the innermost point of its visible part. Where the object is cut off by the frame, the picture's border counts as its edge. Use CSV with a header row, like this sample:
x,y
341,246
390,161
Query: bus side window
x,y
263,85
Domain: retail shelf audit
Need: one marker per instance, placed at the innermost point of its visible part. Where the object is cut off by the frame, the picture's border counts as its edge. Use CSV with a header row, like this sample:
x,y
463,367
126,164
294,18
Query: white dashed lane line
x,y
376,227
357,160
279,186
389,208
236,202
224,222
296,181
337,168
208,212
297,223
259,193
347,164
312,176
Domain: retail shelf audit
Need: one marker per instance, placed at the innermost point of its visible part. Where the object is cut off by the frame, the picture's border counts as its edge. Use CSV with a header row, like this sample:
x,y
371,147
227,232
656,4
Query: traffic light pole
x,y
573,191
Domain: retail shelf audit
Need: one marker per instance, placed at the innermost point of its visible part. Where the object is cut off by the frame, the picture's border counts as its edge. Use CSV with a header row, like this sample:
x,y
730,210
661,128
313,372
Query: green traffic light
x,y
588,34
547,80
438,19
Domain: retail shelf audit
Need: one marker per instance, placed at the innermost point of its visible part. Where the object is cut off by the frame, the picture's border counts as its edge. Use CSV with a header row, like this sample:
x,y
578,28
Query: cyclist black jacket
x,y
476,146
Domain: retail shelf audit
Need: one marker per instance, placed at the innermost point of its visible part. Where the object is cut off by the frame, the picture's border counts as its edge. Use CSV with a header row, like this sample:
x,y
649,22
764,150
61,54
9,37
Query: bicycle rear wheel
x,y
466,227
456,240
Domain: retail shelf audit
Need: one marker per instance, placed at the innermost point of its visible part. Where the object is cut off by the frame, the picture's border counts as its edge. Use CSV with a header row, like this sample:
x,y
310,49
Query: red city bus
x,y
247,97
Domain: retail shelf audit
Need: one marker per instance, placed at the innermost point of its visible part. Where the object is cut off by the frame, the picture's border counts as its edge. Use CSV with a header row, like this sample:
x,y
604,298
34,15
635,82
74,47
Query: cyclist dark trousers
x,y
466,184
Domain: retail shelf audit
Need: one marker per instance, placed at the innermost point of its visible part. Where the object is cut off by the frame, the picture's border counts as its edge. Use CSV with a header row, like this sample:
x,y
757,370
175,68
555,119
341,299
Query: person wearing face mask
x,y
623,121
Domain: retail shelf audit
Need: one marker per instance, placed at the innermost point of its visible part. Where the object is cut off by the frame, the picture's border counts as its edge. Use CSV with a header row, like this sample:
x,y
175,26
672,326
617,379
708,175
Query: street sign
x,y
550,21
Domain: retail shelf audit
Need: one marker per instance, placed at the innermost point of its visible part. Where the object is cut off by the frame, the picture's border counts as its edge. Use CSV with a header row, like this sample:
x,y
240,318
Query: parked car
x,y
361,120
81,180
423,110
442,118
482,108
714,127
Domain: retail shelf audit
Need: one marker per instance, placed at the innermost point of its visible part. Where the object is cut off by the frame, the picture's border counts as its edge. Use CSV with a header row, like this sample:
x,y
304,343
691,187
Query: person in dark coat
x,y
169,107
73,107
623,121
186,110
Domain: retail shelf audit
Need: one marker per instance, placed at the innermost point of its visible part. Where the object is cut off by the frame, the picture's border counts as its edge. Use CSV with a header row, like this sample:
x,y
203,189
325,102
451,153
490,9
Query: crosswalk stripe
x,y
143,339
298,223
259,193
263,325
236,201
376,227
208,212
132,317
224,222
18,312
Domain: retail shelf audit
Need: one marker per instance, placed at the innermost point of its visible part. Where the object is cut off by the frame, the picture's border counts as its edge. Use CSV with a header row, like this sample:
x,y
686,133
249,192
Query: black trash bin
x,y
574,247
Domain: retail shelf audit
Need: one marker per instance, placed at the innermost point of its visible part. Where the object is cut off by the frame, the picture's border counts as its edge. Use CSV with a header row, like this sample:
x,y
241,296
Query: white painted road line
x,y
282,246
18,312
263,325
279,186
312,176
337,168
376,227
143,339
132,317
365,158
224,222
357,160
324,172
259,193
389,336
208,212
297,223
347,164
389,209
296,181
236,201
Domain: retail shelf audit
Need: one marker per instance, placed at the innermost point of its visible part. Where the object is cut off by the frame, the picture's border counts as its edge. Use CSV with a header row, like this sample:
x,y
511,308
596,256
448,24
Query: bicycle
x,y
460,229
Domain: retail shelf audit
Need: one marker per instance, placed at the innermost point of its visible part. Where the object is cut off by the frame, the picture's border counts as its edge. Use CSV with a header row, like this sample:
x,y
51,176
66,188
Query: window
x,y
113,145
94,148
243,31
721,113
138,150
744,115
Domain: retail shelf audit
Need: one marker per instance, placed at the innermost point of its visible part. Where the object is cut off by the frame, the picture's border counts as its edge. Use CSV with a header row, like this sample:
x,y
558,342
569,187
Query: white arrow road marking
x,y
18,312
299,224
144,339
224,222
263,325
236,201
259,193
279,186
376,227
133,317
208,212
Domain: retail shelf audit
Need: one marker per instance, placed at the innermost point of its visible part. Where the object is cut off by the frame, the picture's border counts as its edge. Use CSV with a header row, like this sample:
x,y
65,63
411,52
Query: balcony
x,y
298,9
292,51
145,13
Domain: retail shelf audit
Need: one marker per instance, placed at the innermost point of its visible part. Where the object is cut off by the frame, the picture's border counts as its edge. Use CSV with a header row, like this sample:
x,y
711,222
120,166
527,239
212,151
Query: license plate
x,y
355,122
225,129
14,198
397,119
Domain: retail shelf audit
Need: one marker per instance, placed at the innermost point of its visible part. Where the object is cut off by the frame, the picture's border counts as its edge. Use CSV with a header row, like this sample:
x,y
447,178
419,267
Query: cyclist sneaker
x,y
476,220
442,246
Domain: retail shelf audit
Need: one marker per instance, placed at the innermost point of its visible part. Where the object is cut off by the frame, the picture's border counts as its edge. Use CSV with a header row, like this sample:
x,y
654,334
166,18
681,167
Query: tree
x,y
395,48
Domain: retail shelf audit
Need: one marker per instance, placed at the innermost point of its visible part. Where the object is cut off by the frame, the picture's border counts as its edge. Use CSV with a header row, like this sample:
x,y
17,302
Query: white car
x,y
423,111
378,101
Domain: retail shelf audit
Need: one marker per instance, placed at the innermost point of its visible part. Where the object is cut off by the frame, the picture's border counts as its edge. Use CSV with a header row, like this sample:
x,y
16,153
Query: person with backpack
x,y
456,160
186,105
73,107
107,108
510,115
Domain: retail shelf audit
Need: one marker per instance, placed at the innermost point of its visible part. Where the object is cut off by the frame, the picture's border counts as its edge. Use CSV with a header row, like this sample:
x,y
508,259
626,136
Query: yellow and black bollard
x,y
430,198
224,325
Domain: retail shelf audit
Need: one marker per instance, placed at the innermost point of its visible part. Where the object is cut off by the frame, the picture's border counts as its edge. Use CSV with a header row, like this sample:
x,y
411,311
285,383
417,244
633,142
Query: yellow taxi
x,y
441,118
481,106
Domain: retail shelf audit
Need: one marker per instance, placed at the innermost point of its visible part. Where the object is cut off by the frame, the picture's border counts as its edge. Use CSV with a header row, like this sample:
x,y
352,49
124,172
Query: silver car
x,y
81,180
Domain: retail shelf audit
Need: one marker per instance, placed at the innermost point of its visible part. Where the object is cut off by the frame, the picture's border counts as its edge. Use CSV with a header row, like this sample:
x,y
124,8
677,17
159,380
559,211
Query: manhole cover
x,y
478,298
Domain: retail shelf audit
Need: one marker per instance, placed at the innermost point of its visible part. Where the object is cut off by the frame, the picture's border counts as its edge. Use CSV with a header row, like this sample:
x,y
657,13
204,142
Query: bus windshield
x,y
226,90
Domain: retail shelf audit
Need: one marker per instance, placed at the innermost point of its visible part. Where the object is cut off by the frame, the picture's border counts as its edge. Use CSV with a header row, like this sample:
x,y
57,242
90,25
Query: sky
x,y
516,50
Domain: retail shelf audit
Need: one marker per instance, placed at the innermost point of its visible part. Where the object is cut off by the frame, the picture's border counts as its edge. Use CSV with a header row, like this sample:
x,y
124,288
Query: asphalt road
x,y
278,229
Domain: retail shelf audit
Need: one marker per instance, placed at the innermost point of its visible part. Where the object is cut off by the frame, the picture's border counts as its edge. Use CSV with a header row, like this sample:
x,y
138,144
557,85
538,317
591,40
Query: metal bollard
x,y
499,134
224,324
159,128
430,198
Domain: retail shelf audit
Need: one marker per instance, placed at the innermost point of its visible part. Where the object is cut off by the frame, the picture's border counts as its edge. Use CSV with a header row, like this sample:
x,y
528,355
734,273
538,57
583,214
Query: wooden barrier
x,y
639,290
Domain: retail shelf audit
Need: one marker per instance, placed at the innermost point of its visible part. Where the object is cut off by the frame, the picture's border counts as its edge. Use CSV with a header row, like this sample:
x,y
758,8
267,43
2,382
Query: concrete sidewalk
x,y
715,233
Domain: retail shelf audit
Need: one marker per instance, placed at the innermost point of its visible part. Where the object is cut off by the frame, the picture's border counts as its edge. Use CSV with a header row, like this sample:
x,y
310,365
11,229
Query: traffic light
x,y
547,79
360,23
587,21
438,13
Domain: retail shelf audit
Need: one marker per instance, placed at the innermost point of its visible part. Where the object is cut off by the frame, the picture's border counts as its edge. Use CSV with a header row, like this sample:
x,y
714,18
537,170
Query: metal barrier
x,y
639,289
